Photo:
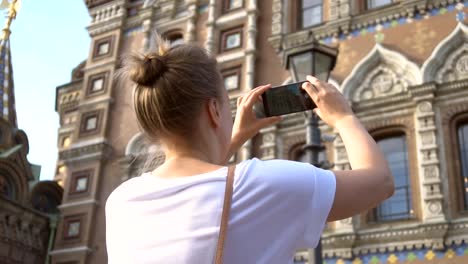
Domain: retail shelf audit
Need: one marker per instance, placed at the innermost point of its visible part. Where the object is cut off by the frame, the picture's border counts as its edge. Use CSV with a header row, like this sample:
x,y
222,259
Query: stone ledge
x,y
96,151
383,239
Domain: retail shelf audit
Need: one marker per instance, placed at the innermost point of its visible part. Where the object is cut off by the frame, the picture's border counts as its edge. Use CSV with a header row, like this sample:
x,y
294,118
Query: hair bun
x,y
148,69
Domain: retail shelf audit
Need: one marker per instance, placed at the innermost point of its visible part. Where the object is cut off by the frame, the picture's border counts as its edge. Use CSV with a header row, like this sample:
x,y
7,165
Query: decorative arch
x,y
12,174
142,155
381,73
449,60
135,145
174,36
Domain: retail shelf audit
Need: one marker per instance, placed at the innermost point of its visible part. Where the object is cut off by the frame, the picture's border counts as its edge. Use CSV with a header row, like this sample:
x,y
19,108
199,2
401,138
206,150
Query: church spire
x,y
7,94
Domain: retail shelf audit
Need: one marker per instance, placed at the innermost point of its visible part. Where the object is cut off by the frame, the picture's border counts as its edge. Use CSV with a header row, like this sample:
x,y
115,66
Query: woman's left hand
x,y
246,124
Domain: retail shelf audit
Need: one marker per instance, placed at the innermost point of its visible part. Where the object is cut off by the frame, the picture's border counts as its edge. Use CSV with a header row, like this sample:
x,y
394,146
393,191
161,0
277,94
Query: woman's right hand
x,y
331,104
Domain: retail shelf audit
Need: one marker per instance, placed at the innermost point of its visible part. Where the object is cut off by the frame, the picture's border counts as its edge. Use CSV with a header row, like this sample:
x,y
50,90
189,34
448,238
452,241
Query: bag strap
x,y
225,214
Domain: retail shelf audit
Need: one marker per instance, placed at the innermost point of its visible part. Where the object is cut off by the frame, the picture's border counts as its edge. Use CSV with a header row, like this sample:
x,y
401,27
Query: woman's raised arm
x,y
370,180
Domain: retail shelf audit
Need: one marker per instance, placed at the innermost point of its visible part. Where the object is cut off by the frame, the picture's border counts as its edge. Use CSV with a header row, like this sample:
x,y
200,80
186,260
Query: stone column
x,y
345,227
190,35
276,24
146,28
428,163
250,62
250,44
339,9
268,146
210,24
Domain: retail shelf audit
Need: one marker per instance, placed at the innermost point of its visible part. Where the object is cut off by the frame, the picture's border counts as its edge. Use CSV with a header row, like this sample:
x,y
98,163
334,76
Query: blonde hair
x,y
171,85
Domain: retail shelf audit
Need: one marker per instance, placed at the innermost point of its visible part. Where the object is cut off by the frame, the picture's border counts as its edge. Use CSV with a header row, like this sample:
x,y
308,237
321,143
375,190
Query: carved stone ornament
x,y
431,172
268,138
347,221
456,66
380,82
461,65
381,73
435,207
425,107
449,60
427,138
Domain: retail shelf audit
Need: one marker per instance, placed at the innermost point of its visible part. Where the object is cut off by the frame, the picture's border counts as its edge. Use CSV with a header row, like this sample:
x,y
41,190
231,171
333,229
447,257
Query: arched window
x,y
462,135
399,206
175,38
311,13
7,189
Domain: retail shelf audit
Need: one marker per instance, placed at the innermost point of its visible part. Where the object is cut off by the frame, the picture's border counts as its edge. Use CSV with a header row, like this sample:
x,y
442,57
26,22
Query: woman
x,y
172,214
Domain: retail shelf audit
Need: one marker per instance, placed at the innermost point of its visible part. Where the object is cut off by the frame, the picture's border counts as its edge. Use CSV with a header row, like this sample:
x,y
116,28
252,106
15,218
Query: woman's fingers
x,y
268,121
311,90
318,85
253,95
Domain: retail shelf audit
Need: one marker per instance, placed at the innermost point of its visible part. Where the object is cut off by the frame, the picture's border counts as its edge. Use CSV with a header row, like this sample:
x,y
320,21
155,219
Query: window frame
x,y
134,5
226,9
367,7
368,218
232,71
84,118
67,220
296,16
98,42
75,176
456,177
231,31
92,78
172,34
62,141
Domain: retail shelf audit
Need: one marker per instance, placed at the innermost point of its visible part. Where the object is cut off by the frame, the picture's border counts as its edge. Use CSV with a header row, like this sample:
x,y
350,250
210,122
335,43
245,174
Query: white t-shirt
x,y
277,207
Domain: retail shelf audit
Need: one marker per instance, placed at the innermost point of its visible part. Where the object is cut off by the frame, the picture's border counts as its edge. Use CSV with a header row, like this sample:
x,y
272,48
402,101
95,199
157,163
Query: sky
x,y
48,39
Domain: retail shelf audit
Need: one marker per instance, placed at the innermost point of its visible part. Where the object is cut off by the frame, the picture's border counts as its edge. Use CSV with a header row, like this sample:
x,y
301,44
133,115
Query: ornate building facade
x,y
28,207
403,65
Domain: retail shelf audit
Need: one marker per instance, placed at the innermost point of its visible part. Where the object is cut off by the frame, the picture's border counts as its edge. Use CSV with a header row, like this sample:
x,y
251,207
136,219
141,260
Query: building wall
x,y
414,46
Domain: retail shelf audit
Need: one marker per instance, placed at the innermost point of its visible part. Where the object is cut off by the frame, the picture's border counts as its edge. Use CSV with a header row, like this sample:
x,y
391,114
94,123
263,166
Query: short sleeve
x,y
297,198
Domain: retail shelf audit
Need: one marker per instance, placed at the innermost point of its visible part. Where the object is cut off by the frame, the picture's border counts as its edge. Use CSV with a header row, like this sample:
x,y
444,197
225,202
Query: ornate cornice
x,y
338,245
344,26
68,89
92,151
389,239
106,17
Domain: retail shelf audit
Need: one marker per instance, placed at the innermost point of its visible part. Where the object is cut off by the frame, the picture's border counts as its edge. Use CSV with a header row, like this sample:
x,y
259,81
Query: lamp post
x,y
317,60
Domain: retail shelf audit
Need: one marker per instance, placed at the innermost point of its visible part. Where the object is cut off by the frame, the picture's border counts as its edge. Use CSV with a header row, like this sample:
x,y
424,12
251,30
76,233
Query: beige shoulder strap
x,y
225,214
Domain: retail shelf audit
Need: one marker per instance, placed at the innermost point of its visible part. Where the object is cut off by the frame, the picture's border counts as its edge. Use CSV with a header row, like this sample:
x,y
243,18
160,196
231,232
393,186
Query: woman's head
x,y
178,93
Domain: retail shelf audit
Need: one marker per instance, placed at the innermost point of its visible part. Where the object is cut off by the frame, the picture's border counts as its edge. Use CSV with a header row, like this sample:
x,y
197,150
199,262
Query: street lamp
x,y
317,60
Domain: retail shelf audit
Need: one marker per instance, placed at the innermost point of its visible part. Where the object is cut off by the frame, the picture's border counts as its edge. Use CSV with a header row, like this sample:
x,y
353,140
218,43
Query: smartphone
x,y
286,99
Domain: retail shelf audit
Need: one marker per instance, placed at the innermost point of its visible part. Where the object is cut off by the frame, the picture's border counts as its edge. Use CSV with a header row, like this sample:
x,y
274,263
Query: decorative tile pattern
x,y
427,255
459,10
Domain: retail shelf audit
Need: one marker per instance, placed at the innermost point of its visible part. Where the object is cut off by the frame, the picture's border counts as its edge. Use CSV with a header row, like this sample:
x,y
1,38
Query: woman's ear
x,y
214,112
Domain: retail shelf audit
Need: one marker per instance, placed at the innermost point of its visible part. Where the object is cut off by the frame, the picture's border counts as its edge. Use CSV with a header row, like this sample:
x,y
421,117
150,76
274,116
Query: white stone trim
x,y
74,204
226,57
210,23
106,12
84,143
190,34
376,56
231,18
70,250
430,183
96,101
437,59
